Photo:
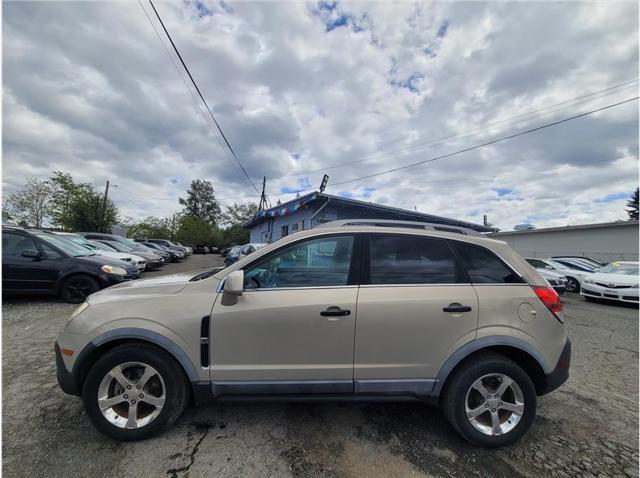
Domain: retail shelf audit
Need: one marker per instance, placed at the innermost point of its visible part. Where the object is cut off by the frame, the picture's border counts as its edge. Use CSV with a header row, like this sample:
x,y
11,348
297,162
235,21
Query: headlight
x,y
589,281
79,310
114,270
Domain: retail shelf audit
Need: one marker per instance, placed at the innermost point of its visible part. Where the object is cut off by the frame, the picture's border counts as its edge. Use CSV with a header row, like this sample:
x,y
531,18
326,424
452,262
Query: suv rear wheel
x,y
133,391
490,401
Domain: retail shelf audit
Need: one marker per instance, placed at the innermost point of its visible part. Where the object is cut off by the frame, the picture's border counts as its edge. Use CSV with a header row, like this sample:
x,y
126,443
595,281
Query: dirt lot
x,y
589,427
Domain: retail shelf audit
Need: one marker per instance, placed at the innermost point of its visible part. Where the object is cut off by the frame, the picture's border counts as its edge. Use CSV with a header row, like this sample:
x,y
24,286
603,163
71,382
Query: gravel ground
x,y
589,427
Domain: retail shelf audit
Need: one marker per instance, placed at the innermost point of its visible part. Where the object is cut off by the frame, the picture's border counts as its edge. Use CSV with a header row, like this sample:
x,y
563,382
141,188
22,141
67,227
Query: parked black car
x,y
174,256
44,263
168,245
200,249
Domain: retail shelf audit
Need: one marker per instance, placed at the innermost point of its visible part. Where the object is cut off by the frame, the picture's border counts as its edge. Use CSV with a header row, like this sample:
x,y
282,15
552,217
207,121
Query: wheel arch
x,y
60,280
114,338
522,353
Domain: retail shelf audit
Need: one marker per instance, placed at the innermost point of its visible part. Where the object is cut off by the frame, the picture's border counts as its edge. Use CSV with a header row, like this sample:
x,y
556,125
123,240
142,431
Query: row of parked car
x,y
235,253
592,278
74,265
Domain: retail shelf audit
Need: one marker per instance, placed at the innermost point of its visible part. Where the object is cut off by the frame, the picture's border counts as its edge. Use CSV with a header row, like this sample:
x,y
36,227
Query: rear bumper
x,y
560,373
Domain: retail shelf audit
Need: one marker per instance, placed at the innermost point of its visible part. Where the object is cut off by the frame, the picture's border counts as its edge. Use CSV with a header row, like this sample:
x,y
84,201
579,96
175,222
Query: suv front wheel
x,y
133,391
490,401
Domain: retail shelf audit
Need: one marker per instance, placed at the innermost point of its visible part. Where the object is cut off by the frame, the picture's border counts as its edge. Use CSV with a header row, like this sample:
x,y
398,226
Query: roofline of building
x,y
567,228
380,207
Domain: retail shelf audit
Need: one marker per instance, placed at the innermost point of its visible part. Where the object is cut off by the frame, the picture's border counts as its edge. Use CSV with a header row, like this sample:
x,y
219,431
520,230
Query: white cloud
x,y
88,88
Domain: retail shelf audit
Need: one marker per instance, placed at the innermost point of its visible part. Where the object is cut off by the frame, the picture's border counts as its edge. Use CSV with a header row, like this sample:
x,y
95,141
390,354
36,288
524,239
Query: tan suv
x,y
349,310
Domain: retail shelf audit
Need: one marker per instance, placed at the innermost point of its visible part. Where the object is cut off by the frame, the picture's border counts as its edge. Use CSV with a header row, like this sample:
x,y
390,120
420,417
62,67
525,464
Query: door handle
x,y
335,311
456,307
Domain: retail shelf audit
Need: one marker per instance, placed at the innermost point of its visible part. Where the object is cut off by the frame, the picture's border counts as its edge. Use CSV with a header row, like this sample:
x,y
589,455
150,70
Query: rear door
x,y
415,307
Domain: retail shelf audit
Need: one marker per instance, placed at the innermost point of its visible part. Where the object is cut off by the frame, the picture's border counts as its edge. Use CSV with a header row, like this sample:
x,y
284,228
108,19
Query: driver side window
x,y
314,263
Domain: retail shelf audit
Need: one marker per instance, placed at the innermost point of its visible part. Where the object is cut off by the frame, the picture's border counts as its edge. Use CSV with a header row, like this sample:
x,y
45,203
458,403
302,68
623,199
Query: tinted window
x,y
314,263
16,244
411,260
50,252
483,266
538,264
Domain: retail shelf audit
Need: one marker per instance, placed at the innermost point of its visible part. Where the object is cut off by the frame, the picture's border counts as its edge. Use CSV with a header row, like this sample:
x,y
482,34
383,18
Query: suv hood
x,y
102,260
167,284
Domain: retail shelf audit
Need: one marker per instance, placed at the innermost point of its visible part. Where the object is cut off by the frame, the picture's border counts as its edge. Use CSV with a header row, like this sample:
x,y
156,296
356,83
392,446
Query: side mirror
x,y
31,254
234,283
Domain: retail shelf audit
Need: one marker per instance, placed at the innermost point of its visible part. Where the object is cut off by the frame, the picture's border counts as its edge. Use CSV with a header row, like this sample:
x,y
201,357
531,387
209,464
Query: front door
x,y
414,310
292,330
25,267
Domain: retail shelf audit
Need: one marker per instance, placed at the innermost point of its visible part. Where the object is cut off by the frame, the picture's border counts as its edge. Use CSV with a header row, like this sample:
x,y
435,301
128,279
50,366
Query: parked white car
x,y
557,280
616,281
105,250
574,276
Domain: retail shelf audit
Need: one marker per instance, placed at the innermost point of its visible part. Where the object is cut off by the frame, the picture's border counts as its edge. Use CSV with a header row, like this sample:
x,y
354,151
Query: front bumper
x,y
65,378
626,294
560,373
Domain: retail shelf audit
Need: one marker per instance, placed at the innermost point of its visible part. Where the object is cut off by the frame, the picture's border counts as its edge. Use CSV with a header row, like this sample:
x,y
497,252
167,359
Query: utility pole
x,y
104,212
263,199
173,222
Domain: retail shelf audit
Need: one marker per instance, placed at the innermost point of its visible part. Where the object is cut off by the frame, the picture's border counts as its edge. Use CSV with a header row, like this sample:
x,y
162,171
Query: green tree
x,y
234,235
79,207
65,191
239,213
632,205
201,202
192,230
151,228
90,213
32,204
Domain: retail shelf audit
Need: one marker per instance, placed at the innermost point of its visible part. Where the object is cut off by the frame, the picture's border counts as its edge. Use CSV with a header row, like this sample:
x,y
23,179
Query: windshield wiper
x,y
205,274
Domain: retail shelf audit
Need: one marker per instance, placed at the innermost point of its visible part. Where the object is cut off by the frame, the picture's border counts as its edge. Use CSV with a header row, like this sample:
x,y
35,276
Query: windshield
x,y
101,246
557,265
118,246
619,268
70,247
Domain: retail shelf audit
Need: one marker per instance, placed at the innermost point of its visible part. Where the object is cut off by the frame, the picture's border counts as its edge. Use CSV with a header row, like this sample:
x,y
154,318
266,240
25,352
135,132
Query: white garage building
x,y
608,241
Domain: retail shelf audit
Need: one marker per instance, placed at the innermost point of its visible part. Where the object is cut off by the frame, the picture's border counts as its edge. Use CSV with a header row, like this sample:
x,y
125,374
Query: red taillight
x,y
551,299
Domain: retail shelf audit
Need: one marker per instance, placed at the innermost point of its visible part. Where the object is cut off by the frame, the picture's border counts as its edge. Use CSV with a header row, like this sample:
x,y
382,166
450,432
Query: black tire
x,y
454,396
573,286
175,381
78,287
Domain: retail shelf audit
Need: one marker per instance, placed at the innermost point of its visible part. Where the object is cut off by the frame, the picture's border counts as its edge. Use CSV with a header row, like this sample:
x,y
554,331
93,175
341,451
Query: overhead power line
x,y
233,153
478,129
488,143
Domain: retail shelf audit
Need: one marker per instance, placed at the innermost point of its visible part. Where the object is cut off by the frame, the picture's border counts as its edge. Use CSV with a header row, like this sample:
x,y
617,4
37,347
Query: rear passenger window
x,y
411,260
484,267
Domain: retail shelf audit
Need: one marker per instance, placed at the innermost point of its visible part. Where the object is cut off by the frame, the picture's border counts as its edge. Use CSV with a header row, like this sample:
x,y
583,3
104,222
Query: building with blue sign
x,y
308,211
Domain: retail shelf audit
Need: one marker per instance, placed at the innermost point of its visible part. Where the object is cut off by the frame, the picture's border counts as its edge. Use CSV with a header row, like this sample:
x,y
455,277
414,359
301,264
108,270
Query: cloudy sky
x,y
303,88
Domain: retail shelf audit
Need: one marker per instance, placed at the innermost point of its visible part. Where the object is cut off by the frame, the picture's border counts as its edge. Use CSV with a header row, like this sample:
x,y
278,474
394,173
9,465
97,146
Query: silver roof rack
x,y
432,226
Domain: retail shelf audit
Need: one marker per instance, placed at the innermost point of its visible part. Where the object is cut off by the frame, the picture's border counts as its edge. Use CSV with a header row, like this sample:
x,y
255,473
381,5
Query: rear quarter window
x,y
483,266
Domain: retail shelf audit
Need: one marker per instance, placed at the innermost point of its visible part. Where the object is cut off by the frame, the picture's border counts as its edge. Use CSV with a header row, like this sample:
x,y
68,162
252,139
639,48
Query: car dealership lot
x,y
588,426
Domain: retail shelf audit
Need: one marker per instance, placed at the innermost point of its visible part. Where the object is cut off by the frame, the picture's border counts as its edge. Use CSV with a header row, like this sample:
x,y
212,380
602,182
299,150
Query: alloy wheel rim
x,y
131,395
494,404
571,285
